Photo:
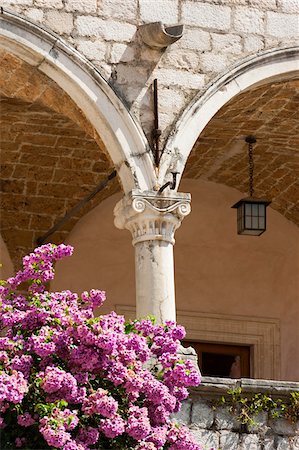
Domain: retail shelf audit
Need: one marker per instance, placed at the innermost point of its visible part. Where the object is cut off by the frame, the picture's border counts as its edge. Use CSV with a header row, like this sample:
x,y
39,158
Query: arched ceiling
x,y
270,113
51,157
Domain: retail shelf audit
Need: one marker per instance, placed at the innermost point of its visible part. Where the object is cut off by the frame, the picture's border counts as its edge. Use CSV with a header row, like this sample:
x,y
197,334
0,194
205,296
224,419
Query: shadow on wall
x,y
6,265
127,75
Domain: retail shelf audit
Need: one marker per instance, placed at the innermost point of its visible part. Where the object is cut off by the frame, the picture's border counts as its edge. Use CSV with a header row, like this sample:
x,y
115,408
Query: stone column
x,y
152,220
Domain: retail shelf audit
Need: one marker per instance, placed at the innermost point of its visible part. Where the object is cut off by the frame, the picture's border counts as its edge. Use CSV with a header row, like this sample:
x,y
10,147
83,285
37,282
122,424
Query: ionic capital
x,y
149,216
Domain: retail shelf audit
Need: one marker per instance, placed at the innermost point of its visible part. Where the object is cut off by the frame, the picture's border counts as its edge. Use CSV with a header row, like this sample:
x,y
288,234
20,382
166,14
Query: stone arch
x,y
270,66
123,138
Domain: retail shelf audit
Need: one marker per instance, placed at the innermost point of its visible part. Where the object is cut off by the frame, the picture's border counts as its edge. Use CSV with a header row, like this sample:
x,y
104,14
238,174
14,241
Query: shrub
x,y
74,381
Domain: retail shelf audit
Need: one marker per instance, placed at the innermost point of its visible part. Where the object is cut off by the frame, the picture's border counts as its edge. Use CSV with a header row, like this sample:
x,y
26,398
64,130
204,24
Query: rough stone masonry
x,y
217,35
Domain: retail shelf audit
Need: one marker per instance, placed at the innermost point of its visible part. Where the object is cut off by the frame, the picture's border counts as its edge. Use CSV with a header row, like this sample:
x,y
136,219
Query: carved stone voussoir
x,y
150,216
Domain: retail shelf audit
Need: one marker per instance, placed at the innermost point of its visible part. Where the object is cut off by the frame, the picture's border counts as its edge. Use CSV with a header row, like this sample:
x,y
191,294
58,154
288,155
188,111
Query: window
x,y
221,360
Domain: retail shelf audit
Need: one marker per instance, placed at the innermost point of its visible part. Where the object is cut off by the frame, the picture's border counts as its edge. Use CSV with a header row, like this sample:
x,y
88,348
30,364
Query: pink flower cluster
x,y
74,381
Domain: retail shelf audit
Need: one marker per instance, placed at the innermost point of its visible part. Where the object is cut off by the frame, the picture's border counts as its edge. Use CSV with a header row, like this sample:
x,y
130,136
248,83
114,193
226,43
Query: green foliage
x,y
246,407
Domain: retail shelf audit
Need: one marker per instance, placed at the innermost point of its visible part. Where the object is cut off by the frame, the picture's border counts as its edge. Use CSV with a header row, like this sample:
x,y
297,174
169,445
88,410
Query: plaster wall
x,y
6,266
216,271
217,35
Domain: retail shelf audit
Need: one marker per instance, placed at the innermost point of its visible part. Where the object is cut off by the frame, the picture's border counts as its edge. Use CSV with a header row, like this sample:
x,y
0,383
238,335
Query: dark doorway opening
x,y
222,360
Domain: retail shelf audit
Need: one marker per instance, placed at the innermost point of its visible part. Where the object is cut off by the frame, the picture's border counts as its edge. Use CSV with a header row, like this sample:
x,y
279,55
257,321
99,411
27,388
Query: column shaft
x,y
152,220
155,280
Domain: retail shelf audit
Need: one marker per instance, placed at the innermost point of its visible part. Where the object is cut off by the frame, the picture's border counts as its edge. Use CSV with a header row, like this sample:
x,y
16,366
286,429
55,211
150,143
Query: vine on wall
x,y
246,407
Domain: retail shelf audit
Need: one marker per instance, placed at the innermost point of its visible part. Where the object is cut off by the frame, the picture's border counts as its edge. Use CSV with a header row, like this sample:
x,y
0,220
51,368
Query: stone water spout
x,y
157,35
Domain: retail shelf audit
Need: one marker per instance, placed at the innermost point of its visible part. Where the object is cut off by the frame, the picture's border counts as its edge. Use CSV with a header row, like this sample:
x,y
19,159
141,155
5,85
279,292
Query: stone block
x,y
249,20
282,25
229,440
129,75
195,39
90,26
93,50
165,11
60,22
202,415
180,59
285,443
109,30
183,416
84,6
118,31
119,9
121,52
207,439
253,44
282,427
289,6
213,62
296,443
224,420
226,43
180,78
263,4
171,98
205,15
249,442
35,14
17,3
269,443
57,4
260,423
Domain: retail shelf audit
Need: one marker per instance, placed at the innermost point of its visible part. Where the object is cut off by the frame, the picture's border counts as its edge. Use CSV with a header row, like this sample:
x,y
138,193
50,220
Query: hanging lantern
x,y
251,212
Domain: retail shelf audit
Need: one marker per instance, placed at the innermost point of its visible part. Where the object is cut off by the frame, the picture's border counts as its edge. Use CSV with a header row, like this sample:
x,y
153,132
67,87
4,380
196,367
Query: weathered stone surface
x,y
282,25
202,415
50,163
235,28
249,442
282,427
217,35
249,20
94,50
224,419
181,78
213,62
285,443
229,440
165,11
195,39
207,16
184,415
229,43
57,4
35,14
289,6
253,43
118,9
108,29
208,439
121,52
60,22
86,6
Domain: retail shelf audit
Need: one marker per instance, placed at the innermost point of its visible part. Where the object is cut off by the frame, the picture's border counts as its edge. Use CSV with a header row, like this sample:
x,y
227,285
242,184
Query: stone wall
x,y
217,35
216,428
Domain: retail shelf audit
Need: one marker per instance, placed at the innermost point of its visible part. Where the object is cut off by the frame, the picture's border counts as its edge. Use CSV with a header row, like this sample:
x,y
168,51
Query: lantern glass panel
x,y
251,216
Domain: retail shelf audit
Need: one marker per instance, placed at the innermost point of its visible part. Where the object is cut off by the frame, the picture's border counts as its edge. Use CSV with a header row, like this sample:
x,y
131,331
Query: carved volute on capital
x,y
149,216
